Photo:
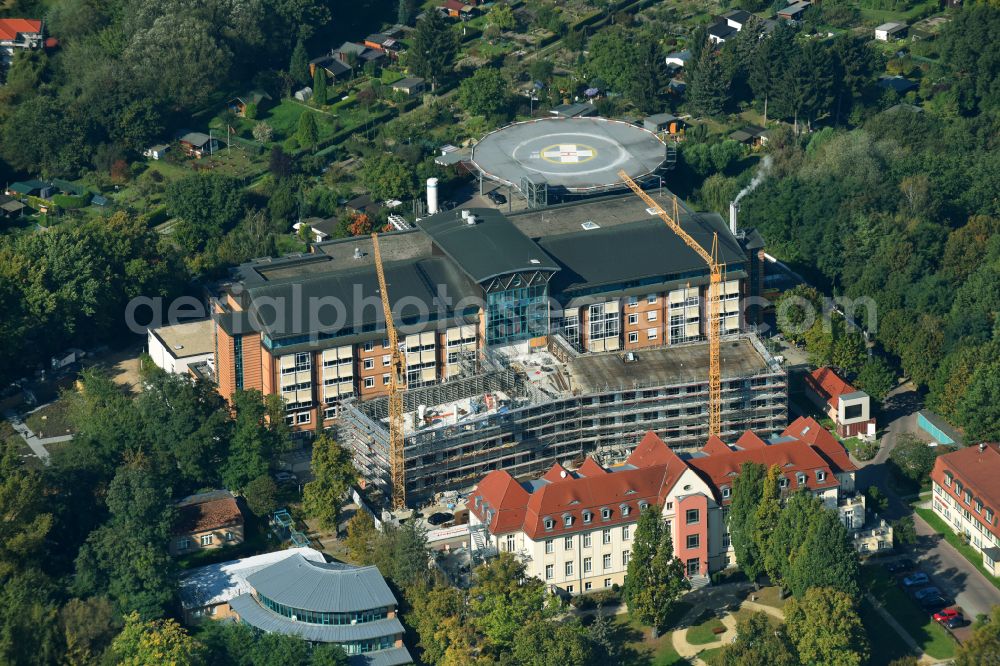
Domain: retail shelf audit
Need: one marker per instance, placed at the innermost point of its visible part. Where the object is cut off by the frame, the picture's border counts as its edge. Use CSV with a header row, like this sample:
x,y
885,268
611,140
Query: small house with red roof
x,y
574,528
966,489
849,408
19,33
206,521
458,9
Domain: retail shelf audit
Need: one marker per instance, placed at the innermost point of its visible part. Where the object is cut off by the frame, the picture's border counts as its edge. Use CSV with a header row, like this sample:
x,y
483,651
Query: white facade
x,y
175,348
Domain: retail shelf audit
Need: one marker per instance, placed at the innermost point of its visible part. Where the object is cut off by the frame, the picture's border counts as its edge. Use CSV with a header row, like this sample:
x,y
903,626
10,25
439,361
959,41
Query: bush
x,y
71,201
866,450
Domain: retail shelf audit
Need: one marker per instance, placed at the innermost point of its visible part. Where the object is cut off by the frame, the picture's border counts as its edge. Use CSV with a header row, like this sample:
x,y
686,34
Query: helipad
x,y
578,155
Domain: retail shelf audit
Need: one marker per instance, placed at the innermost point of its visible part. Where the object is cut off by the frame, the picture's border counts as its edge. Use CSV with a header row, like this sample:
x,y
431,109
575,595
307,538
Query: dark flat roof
x,y
491,247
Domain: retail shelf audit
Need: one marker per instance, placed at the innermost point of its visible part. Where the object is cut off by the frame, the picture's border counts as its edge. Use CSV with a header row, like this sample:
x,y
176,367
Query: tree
x,y
790,530
797,310
708,88
207,206
655,577
431,610
387,177
553,642
362,537
25,525
767,515
849,350
984,645
155,642
979,409
333,473
904,532
29,630
757,644
748,488
405,11
825,628
262,132
503,600
307,132
88,626
912,458
502,16
261,496
485,93
434,48
253,441
825,558
279,163
876,378
298,66
319,87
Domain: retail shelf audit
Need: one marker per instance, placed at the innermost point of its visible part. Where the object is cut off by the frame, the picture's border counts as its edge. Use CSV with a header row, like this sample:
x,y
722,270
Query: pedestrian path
x,y
690,651
35,443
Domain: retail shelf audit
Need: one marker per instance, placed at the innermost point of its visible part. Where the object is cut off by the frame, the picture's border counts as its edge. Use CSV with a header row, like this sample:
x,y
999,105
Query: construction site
x,y
522,409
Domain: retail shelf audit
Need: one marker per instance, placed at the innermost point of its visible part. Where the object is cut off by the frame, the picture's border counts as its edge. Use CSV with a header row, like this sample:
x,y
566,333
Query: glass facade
x,y
238,361
316,617
516,314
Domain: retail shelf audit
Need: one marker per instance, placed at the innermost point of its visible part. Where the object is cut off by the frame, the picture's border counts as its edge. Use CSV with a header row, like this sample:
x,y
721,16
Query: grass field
x,y
703,633
884,648
51,420
638,649
932,638
967,551
769,597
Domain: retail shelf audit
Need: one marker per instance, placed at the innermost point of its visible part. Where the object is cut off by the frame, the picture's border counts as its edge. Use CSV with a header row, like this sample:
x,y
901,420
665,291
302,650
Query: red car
x,y
947,614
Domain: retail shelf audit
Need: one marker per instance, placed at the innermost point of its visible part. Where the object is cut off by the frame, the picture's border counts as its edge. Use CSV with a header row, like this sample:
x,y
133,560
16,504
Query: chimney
x,y
432,196
733,210
982,447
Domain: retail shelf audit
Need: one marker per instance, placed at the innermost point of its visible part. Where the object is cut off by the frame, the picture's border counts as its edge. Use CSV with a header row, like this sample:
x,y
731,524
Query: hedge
x,y
71,201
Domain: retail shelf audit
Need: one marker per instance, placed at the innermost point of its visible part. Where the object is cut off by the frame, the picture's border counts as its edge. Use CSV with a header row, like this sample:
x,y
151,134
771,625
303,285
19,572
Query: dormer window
x,y
478,501
979,506
567,520
801,478
643,504
625,509
549,524
587,516
947,479
783,482
726,492
820,475
605,513
989,516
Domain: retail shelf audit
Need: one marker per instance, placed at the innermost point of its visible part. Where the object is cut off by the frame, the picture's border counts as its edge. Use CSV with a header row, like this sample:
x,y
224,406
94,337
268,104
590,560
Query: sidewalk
x,y
36,444
690,651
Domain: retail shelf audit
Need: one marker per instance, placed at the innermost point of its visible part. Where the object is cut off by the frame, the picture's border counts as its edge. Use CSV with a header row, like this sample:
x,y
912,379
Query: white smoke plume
x,y
762,169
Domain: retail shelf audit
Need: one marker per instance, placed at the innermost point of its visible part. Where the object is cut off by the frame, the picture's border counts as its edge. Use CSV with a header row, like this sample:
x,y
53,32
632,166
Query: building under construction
x,y
524,411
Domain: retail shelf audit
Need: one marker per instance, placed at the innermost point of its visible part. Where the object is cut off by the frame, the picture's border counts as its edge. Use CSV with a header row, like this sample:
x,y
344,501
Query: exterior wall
x,y
216,612
225,370
372,381
962,519
642,318
219,539
694,557
862,401
579,556
166,361
862,429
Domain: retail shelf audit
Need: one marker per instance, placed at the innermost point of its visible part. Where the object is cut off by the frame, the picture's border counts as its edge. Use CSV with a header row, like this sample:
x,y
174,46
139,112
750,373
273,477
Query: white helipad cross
x,y
568,153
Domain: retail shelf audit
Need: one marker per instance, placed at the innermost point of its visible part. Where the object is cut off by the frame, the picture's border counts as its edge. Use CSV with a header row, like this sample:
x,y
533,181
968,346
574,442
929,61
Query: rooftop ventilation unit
x,y
468,216
590,224
357,253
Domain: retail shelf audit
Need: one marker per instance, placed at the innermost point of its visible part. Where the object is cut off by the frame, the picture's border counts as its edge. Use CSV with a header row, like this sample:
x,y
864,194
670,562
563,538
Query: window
x,y
693,516
651,299
989,516
726,492
633,318
369,382
569,588
587,586
852,412
607,561
206,540
625,533
229,536
510,543
605,514
568,543
650,333
968,497
588,565
385,380
549,546
651,315
568,520
549,570
783,482
369,363
979,506
386,360
625,508
693,540
670,506
625,555
549,523
183,544
633,301
605,536
569,568
633,337
820,476
947,479
370,345
586,540
587,516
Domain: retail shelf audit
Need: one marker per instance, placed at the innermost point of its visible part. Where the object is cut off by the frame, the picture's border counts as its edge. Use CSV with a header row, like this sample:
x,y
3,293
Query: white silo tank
x,y
432,196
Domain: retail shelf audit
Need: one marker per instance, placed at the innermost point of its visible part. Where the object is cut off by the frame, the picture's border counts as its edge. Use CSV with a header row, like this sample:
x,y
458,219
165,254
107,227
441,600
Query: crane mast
x,y
396,381
717,272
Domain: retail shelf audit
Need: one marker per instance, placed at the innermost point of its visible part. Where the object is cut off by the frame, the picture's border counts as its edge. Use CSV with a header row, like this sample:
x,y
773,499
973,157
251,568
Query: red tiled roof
x,y
555,473
818,437
715,446
792,457
828,385
750,440
505,496
455,5
11,27
590,467
979,472
651,451
210,515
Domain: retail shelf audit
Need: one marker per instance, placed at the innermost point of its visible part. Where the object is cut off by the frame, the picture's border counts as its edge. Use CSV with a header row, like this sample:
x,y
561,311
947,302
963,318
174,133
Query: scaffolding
x,y
536,428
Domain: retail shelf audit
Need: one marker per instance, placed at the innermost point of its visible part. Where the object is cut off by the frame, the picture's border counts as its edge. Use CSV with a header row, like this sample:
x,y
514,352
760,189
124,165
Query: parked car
x,y
899,566
919,578
439,518
496,198
955,622
285,477
947,614
925,593
934,602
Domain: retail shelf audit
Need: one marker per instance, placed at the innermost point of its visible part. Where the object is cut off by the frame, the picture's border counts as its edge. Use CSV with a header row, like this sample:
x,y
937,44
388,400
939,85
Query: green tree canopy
x,y
655,577
333,473
748,489
435,45
757,644
156,642
485,93
503,600
825,628
207,205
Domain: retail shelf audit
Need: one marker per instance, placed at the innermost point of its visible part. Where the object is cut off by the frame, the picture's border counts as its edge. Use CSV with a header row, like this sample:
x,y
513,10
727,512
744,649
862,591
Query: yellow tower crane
x,y
718,271
396,380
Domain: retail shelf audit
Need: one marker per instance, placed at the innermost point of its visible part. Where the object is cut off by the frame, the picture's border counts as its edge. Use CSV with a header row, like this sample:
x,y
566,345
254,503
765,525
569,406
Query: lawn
x,y
883,650
637,647
965,549
703,633
769,597
932,638
52,420
711,657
